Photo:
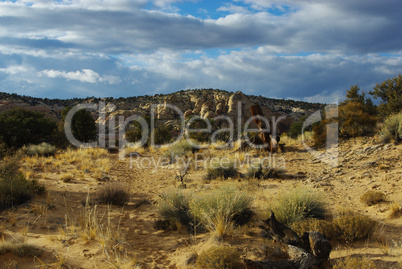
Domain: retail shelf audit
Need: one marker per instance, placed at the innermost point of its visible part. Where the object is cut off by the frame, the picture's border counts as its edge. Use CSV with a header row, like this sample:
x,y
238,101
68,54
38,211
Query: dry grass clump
x,y
100,228
396,209
221,168
113,193
354,262
327,228
85,160
261,172
67,178
347,226
20,249
353,226
179,150
372,197
218,257
14,188
219,209
392,129
174,207
298,204
43,149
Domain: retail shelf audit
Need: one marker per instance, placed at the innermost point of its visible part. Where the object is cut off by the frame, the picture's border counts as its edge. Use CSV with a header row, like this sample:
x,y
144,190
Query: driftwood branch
x,y
309,251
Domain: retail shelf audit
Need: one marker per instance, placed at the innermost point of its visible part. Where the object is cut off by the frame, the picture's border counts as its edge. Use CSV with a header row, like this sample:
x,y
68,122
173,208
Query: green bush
x,y
390,93
43,149
261,172
174,207
372,197
219,257
221,168
199,123
296,128
392,129
3,150
162,133
299,204
179,150
83,125
22,127
354,121
115,193
320,134
217,210
352,226
14,188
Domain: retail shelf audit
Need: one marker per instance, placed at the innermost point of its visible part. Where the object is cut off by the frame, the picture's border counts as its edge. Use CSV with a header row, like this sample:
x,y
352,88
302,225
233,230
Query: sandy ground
x,y
52,221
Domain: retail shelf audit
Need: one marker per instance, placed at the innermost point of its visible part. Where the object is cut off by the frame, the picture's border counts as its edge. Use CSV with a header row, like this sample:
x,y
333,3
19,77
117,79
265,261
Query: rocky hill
x,y
206,103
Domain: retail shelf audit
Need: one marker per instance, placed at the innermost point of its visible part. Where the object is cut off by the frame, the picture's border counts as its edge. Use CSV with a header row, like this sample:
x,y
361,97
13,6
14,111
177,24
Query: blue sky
x,y
311,50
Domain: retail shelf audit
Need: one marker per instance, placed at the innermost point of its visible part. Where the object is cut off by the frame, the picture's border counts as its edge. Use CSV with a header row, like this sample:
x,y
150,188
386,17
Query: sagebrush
x,y
222,168
218,257
299,204
15,189
115,193
392,129
220,209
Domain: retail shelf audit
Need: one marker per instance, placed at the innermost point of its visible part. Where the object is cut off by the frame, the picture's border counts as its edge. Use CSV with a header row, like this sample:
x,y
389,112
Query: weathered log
x,y
308,251
280,232
319,245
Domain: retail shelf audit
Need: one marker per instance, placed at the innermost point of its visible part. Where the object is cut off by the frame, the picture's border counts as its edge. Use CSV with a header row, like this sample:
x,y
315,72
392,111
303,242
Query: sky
x,y
309,50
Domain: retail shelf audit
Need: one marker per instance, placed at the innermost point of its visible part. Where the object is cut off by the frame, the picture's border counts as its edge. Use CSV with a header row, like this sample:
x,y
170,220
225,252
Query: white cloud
x,y
86,75
317,47
234,9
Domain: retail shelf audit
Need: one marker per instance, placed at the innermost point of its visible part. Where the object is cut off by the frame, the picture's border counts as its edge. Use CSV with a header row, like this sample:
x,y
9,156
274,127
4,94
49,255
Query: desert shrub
x,y
217,210
390,93
83,125
222,168
115,193
3,150
354,121
296,128
22,127
67,178
372,197
218,257
299,204
328,229
14,188
179,150
162,133
262,172
392,129
20,249
174,207
395,209
319,134
354,263
199,123
43,149
352,226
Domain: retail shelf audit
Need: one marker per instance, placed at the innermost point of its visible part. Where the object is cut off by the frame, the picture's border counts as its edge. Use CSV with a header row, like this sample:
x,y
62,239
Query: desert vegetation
x,y
67,207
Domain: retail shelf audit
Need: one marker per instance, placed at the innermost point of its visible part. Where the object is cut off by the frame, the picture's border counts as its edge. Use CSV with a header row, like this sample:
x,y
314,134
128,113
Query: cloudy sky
x,y
311,50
